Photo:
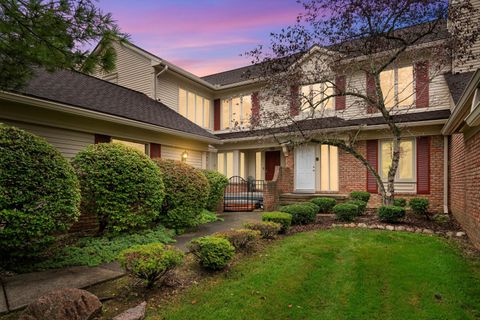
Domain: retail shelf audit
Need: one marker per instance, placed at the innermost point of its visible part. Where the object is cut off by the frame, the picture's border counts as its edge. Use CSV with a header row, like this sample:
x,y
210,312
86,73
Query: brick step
x,y
289,198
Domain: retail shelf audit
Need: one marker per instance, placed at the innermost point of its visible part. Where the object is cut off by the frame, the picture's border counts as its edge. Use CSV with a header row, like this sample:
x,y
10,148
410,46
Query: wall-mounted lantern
x,y
184,156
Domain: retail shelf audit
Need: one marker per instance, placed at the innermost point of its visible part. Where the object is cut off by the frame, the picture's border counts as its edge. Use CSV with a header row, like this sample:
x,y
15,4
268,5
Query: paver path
x,y
20,290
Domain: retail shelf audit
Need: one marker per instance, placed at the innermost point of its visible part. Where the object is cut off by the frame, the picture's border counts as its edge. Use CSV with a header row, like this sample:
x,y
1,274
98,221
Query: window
x,y
135,145
314,94
225,163
406,165
397,86
194,107
236,111
328,168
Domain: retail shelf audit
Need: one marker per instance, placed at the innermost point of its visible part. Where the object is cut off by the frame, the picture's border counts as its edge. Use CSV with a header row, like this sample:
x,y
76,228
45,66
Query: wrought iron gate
x,y
243,195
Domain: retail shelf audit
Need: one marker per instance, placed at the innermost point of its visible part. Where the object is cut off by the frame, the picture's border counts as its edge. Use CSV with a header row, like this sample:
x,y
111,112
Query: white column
x,y
236,162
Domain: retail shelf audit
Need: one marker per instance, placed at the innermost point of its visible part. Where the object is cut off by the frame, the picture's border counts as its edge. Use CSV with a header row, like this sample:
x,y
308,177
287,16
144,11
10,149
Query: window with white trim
x,y
328,168
236,112
406,167
312,94
397,86
194,107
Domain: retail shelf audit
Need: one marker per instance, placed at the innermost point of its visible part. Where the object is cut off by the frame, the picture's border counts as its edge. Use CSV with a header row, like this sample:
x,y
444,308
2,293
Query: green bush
x,y
282,218
121,186
391,213
400,202
345,211
419,206
39,193
186,191
217,182
207,217
362,206
360,195
150,262
212,252
325,205
302,213
268,229
241,239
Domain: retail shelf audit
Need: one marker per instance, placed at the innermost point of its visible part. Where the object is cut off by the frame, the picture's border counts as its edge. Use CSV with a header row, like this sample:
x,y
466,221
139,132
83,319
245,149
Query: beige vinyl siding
x,y
167,90
68,142
195,158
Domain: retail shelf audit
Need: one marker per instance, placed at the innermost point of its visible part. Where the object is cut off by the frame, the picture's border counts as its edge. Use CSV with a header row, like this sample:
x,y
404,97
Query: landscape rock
x,y
427,231
362,225
64,304
391,228
460,234
449,233
400,228
137,313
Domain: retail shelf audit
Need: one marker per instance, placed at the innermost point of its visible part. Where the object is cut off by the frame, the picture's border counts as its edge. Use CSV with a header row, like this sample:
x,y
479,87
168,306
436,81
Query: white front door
x,y
305,168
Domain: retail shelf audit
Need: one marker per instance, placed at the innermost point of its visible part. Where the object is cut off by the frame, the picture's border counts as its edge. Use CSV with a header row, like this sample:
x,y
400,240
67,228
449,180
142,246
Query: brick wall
x,y
465,184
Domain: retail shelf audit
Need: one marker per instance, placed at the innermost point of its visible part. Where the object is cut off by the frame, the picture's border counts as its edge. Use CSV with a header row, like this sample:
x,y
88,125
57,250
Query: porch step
x,y
289,198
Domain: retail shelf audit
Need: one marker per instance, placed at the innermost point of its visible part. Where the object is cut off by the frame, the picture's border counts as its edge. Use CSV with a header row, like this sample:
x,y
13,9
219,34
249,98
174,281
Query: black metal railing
x,y
243,194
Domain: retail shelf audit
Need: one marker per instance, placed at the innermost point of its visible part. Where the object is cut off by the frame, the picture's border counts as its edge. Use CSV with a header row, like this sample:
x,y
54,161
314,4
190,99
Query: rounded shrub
x,y
212,252
362,206
217,182
391,213
345,211
302,213
360,195
121,186
241,239
419,206
39,193
268,229
282,218
151,261
186,191
325,205
400,202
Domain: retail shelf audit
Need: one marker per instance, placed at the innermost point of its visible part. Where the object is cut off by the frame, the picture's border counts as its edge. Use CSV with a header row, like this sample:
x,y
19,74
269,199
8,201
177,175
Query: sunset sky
x,y
202,36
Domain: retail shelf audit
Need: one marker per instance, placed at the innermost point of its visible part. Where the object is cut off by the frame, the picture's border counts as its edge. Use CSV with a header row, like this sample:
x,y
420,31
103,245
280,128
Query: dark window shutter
x,y
155,150
423,165
340,84
372,158
255,108
371,91
422,85
101,138
294,101
216,114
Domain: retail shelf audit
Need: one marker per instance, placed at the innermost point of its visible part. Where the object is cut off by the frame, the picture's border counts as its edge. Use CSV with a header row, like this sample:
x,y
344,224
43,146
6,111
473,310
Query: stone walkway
x,y
18,291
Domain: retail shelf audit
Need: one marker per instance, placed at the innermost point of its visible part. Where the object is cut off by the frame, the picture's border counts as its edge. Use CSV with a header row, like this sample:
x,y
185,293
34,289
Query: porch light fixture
x,y
184,156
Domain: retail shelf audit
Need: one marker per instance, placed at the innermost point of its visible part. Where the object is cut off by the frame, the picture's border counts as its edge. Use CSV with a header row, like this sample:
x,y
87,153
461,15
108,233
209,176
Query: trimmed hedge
x,y
282,218
345,211
241,239
120,185
391,213
325,205
419,206
150,261
360,195
302,213
268,229
362,206
186,191
217,182
39,193
400,202
212,252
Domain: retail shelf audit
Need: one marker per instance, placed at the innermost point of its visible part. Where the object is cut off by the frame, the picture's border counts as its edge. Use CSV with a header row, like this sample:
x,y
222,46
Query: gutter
x,y
56,106
156,75
445,174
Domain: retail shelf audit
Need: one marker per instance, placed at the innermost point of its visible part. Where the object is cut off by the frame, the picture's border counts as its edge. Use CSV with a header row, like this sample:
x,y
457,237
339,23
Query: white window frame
x,y
305,104
196,108
395,86
397,176
244,123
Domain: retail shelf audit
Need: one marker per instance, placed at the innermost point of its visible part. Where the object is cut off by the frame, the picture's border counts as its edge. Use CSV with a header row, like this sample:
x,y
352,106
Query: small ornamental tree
x,y
39,193
121,186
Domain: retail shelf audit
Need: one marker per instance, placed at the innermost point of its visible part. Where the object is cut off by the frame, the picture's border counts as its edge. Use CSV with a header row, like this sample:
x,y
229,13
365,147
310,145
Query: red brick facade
x,y
465,183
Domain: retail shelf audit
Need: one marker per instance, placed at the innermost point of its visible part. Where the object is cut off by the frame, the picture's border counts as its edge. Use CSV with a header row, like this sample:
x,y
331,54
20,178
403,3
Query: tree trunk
x,y
390,195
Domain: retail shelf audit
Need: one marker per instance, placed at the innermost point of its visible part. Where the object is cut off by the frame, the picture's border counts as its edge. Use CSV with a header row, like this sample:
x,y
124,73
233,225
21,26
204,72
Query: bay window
x,y
194,107
236,111
397,86
313,94
406,165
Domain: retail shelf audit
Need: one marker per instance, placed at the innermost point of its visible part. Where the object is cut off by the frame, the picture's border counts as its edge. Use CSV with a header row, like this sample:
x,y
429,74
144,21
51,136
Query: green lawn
x,y
341,274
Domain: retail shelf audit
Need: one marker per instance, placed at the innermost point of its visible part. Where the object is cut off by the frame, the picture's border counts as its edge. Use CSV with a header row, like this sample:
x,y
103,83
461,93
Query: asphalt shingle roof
x,y
457,83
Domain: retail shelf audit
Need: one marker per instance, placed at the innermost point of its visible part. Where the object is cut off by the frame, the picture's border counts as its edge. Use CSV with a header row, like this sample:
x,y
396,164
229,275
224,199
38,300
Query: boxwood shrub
x,y
282,218
186,191
419,206
121,186
345,211
39,193
302,213
360,195
241,239
362,206
400,202
325,205
151,261
391,213
217,183
268,229
212,252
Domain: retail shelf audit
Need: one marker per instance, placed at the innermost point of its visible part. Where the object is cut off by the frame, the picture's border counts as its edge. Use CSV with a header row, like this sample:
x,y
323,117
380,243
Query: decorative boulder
x,y
64,304
137,313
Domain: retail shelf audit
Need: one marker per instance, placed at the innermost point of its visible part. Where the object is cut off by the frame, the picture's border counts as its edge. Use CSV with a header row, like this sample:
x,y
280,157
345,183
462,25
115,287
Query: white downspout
x,y
445,174
155,81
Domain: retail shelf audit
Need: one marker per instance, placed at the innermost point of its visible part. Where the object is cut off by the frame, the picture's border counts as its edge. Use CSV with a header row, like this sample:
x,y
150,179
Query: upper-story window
x,y
314,94
236,112
397,86
194,107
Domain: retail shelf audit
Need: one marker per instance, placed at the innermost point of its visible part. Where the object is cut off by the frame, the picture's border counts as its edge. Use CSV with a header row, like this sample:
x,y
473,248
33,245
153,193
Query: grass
x,y
340,274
